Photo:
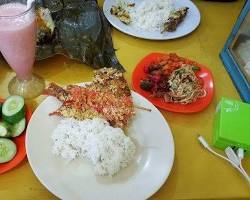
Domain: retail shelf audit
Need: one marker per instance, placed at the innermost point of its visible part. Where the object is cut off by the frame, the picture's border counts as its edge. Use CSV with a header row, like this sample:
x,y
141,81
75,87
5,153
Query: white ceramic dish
x,y
190,23
76,180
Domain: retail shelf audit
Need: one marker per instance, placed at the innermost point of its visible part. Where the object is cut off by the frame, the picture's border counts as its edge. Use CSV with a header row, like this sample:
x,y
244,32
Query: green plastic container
x,y
232,125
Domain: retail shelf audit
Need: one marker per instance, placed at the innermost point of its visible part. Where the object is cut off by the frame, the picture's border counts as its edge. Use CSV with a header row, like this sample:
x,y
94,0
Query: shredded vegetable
x,y
174,79
184,86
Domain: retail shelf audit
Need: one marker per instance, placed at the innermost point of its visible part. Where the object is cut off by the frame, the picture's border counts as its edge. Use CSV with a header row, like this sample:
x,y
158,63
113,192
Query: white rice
x,y
108,148
150,15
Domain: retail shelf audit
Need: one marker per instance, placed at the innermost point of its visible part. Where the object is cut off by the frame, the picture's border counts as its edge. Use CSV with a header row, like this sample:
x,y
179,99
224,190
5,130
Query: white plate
x,y
190,23
76,180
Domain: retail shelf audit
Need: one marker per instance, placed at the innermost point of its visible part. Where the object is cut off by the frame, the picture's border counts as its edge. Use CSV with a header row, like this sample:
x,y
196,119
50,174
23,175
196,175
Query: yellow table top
x,y
196,174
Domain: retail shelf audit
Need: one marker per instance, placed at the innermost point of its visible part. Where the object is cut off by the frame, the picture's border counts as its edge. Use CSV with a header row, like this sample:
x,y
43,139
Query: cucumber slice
x,y
18,128
5,129
7,150
13,109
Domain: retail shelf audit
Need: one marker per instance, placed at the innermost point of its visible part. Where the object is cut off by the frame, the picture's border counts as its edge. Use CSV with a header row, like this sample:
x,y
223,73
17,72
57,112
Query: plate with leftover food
x,y
99,133
173,83
155,20
14,118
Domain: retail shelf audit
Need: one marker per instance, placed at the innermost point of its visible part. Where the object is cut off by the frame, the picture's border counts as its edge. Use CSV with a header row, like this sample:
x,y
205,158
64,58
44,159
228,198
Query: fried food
x,y
175,18
121,14
108,97
110,81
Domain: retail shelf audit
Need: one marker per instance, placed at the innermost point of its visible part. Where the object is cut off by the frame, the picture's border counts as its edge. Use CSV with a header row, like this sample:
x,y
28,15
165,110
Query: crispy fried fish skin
x,y
80,114
108,97
56,91
110,80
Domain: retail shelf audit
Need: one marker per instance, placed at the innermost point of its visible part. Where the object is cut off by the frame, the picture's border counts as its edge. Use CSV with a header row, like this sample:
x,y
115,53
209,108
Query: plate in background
x,y
197,106
189,24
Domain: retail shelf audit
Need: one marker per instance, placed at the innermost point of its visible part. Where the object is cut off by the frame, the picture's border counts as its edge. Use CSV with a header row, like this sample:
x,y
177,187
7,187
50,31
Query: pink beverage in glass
x,y
18,38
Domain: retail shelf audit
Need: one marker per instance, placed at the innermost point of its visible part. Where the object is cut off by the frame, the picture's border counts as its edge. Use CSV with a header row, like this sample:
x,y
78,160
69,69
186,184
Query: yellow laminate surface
x,y
196,174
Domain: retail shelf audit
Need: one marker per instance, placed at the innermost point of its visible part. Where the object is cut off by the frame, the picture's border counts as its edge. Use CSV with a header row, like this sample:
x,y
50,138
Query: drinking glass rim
x,y
19,15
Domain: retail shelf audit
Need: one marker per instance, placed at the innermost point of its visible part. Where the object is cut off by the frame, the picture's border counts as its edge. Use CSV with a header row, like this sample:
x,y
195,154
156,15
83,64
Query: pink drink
x,y
18,38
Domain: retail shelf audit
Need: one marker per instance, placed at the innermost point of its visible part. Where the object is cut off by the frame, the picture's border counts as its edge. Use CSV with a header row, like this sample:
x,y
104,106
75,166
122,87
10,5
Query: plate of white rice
x,y
85,162
148,17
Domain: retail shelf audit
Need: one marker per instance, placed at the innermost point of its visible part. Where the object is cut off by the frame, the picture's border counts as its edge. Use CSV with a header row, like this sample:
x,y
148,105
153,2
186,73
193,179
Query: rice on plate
x,y
150,15
108,148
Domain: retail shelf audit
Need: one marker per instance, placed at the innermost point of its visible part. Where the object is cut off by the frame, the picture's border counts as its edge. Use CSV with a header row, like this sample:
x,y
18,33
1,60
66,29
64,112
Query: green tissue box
x,y
232,125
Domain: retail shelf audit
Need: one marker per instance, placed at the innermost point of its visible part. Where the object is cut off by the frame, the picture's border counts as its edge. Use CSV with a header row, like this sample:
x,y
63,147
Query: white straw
x,y
29,3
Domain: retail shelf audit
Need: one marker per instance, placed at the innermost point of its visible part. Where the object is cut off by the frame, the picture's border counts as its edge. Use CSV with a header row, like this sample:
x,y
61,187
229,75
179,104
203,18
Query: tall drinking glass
x,y
18,45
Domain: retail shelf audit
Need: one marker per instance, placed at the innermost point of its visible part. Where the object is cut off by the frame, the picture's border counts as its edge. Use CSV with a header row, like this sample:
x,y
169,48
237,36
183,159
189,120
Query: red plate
x,y
196,106
20,144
